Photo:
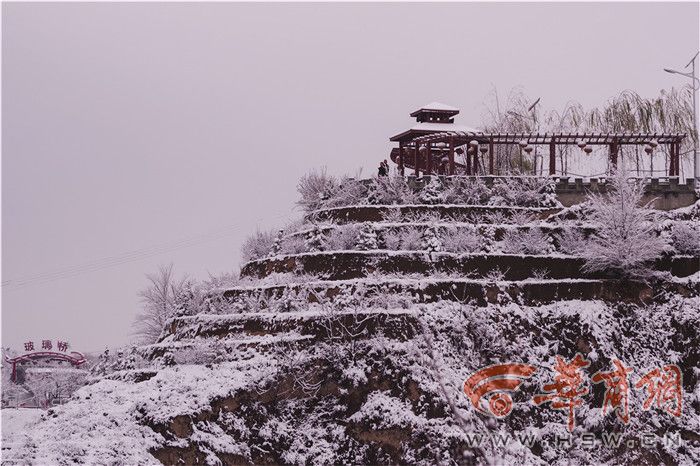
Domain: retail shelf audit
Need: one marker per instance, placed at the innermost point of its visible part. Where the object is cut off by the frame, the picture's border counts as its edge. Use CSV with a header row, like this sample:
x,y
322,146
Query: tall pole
x,y
695,84
695,123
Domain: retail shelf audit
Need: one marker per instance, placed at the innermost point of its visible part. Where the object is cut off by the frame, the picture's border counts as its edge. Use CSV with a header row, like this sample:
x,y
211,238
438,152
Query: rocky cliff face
x,y
355,346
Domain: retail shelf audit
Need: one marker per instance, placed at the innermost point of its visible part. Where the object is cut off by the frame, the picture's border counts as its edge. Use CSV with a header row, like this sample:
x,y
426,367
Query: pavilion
x,y
430,146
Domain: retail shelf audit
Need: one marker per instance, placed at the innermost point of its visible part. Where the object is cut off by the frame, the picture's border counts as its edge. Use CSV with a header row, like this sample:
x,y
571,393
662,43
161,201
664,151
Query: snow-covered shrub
x,y
540,274
195,355
315,189
293,245
257,246
392,239
532,241
431,192
393,216
367,239
521,217
461,240
387,190
411,239
626,238
167,359
190,299
315,240
290,300
466,190
496,275
431,241
349,192
496,217
686,238
343,238
428,216
571,241
526,191
276,244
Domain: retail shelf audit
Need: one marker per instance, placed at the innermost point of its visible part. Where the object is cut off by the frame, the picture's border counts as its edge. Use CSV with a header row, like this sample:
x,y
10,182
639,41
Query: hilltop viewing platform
x,y
436,145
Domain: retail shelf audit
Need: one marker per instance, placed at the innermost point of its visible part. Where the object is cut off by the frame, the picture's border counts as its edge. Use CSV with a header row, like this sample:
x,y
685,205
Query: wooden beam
x,y
491,157
476,160
552,158
416,161
613,155
469,160
452,156
401,158
429,161
671,170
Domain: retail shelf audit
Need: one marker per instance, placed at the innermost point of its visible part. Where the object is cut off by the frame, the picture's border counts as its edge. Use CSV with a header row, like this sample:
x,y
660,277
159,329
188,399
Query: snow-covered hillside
x,y
349,335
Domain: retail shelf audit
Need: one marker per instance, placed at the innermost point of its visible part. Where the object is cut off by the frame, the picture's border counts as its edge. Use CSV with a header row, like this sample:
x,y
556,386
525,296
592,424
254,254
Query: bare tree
x,y
159,304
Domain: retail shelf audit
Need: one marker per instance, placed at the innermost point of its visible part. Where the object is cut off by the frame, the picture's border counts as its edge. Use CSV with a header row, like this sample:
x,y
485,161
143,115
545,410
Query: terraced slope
x,y
350,341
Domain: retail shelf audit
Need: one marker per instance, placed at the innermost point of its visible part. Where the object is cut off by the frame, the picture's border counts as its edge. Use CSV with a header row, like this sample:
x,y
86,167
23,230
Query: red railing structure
x,y
435,153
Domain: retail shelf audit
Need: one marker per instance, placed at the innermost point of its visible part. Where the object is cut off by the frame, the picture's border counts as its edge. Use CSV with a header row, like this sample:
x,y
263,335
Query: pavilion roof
x,y
428,128
436,107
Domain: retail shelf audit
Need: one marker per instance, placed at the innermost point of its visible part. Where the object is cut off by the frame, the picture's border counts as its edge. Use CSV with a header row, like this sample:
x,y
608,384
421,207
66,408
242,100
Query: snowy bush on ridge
x,y
392,239
315,188
462,240
686,239
571,241
526,191
466,190
521,217
411,239
431,241
532,241
343,238
428,216
626,239
276,244
293,245
257,246
348,192
431,192
496,217
388,190
315,240
367,239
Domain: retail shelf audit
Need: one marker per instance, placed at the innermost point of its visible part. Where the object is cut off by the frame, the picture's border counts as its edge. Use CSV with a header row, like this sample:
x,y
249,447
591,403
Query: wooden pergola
x,y
434,153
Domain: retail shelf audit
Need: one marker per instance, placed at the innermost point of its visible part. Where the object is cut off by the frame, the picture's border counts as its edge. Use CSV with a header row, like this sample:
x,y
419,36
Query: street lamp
x,y
696,85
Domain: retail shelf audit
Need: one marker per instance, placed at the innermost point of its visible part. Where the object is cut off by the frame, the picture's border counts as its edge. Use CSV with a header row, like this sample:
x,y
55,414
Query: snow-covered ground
x,y
17,423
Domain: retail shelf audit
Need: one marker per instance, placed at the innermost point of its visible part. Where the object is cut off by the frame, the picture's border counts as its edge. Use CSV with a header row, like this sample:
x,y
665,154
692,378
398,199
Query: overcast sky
x,y
129,127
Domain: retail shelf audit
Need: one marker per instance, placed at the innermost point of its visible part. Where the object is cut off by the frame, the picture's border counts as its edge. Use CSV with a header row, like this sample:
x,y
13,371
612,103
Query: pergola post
x,y
468,158
452,156
401,158
671,160
416,162
613,155
476,159
552,158
429,161
674,168
491,156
